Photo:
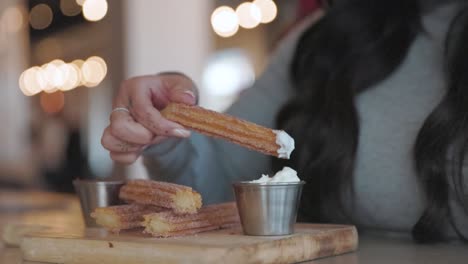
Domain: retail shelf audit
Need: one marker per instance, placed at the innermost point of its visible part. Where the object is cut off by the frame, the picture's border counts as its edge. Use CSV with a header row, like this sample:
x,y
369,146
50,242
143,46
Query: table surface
x,y
373,247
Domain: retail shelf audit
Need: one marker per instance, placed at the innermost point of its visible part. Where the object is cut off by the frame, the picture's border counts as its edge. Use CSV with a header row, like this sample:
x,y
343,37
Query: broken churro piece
x,y
120,217
247,134
181,199
211,217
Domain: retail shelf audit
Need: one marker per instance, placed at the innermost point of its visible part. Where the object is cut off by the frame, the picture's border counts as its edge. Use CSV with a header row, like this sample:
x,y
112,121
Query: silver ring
x,y
123,109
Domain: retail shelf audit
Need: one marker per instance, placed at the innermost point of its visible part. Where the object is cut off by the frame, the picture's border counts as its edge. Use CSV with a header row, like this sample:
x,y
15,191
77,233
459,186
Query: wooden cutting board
x,y
97,246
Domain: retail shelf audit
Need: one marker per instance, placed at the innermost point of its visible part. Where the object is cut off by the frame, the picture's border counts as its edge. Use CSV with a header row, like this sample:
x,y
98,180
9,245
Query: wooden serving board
x,y
97,246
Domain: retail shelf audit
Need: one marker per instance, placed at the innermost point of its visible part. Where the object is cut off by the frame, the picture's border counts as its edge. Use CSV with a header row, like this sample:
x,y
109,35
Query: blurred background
x,y
63,60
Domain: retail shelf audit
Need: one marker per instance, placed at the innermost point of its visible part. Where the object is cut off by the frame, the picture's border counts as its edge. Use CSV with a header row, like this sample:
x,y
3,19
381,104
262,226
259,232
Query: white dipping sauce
x,y
286,143
285,175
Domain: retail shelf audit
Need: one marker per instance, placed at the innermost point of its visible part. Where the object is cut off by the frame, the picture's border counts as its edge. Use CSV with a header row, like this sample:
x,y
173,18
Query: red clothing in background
x,y
305,7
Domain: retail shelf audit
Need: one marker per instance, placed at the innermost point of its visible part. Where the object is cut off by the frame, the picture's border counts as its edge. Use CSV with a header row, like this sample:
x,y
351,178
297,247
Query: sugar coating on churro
x,y
286,143
230,128
181,199
119,217
166,224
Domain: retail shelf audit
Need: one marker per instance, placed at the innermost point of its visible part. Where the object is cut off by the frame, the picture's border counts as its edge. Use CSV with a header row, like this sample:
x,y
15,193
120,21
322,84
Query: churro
x,y
247,134
211,217
120,217
181,199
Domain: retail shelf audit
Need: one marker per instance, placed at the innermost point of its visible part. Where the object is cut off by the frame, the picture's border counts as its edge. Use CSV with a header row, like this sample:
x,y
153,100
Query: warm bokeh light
x,y
101,62
40,16
22,84
224,21
58,75
43,74
73,77
52,103
79,64
12,19
27,83
32,81
80,2
94,10
268,10
70,7
41,79
93,70
249,15
227,73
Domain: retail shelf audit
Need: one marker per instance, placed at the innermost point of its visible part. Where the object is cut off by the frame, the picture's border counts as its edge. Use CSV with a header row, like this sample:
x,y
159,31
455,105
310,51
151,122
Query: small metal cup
x,y
268,209
95,193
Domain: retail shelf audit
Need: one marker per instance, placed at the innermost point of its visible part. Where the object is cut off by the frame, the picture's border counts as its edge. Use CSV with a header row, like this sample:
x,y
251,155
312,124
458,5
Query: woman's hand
x,y
136,121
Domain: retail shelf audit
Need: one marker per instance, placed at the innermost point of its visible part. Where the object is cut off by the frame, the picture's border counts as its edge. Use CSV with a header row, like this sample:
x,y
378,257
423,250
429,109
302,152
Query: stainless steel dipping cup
x,y
268,209
95,193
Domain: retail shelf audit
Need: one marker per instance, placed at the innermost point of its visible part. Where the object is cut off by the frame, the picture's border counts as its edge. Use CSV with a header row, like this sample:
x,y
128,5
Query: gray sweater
x,y
388,195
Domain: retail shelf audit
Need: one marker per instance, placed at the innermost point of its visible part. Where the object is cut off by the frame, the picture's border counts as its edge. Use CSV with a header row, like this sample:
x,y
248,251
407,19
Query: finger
x,y
179,88
182,96
124,158
146,114
124,128
114,144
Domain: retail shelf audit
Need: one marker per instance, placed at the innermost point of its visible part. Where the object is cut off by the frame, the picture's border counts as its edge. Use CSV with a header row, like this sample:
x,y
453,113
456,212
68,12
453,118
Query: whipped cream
x,y
286,143
285,175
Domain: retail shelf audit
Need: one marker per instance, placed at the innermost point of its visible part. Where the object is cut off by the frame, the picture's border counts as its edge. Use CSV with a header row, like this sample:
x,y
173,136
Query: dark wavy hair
x,y
357,44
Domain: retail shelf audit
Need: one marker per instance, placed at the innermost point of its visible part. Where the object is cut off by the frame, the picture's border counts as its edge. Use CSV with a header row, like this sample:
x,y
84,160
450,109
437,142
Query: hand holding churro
x,y
135,121
150,109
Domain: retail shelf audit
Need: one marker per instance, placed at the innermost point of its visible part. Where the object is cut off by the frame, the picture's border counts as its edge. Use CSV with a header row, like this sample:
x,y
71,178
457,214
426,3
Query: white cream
x,y
285,175
286,143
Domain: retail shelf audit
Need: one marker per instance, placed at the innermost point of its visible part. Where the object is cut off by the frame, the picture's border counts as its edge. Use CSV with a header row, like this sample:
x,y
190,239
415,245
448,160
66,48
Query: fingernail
x,y
179,132
188,92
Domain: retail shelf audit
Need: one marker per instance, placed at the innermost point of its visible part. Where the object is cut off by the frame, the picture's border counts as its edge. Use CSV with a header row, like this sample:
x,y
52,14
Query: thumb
x,y
178,88
183,95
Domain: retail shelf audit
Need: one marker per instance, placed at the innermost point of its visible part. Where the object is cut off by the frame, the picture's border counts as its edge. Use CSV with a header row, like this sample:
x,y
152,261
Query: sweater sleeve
x,y
210,165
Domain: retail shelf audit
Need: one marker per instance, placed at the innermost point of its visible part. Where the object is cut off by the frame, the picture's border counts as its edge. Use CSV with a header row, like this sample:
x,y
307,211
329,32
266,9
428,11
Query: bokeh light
x,y
224,21
70,7
74,77
55,74
33,81
227,73
58,75
249,15
29,81
40,16
268,10
93,70
94,10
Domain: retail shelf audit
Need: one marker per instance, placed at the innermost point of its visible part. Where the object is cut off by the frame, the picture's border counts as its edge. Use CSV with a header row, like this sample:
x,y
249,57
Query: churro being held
x,y
247,134
181,199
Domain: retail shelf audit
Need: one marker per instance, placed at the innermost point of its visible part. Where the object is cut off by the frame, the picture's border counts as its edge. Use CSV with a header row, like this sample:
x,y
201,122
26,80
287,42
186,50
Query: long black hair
x,y
357,44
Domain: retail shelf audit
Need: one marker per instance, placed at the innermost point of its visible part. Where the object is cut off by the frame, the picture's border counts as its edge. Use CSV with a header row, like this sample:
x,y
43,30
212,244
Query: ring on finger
x,y
120,109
